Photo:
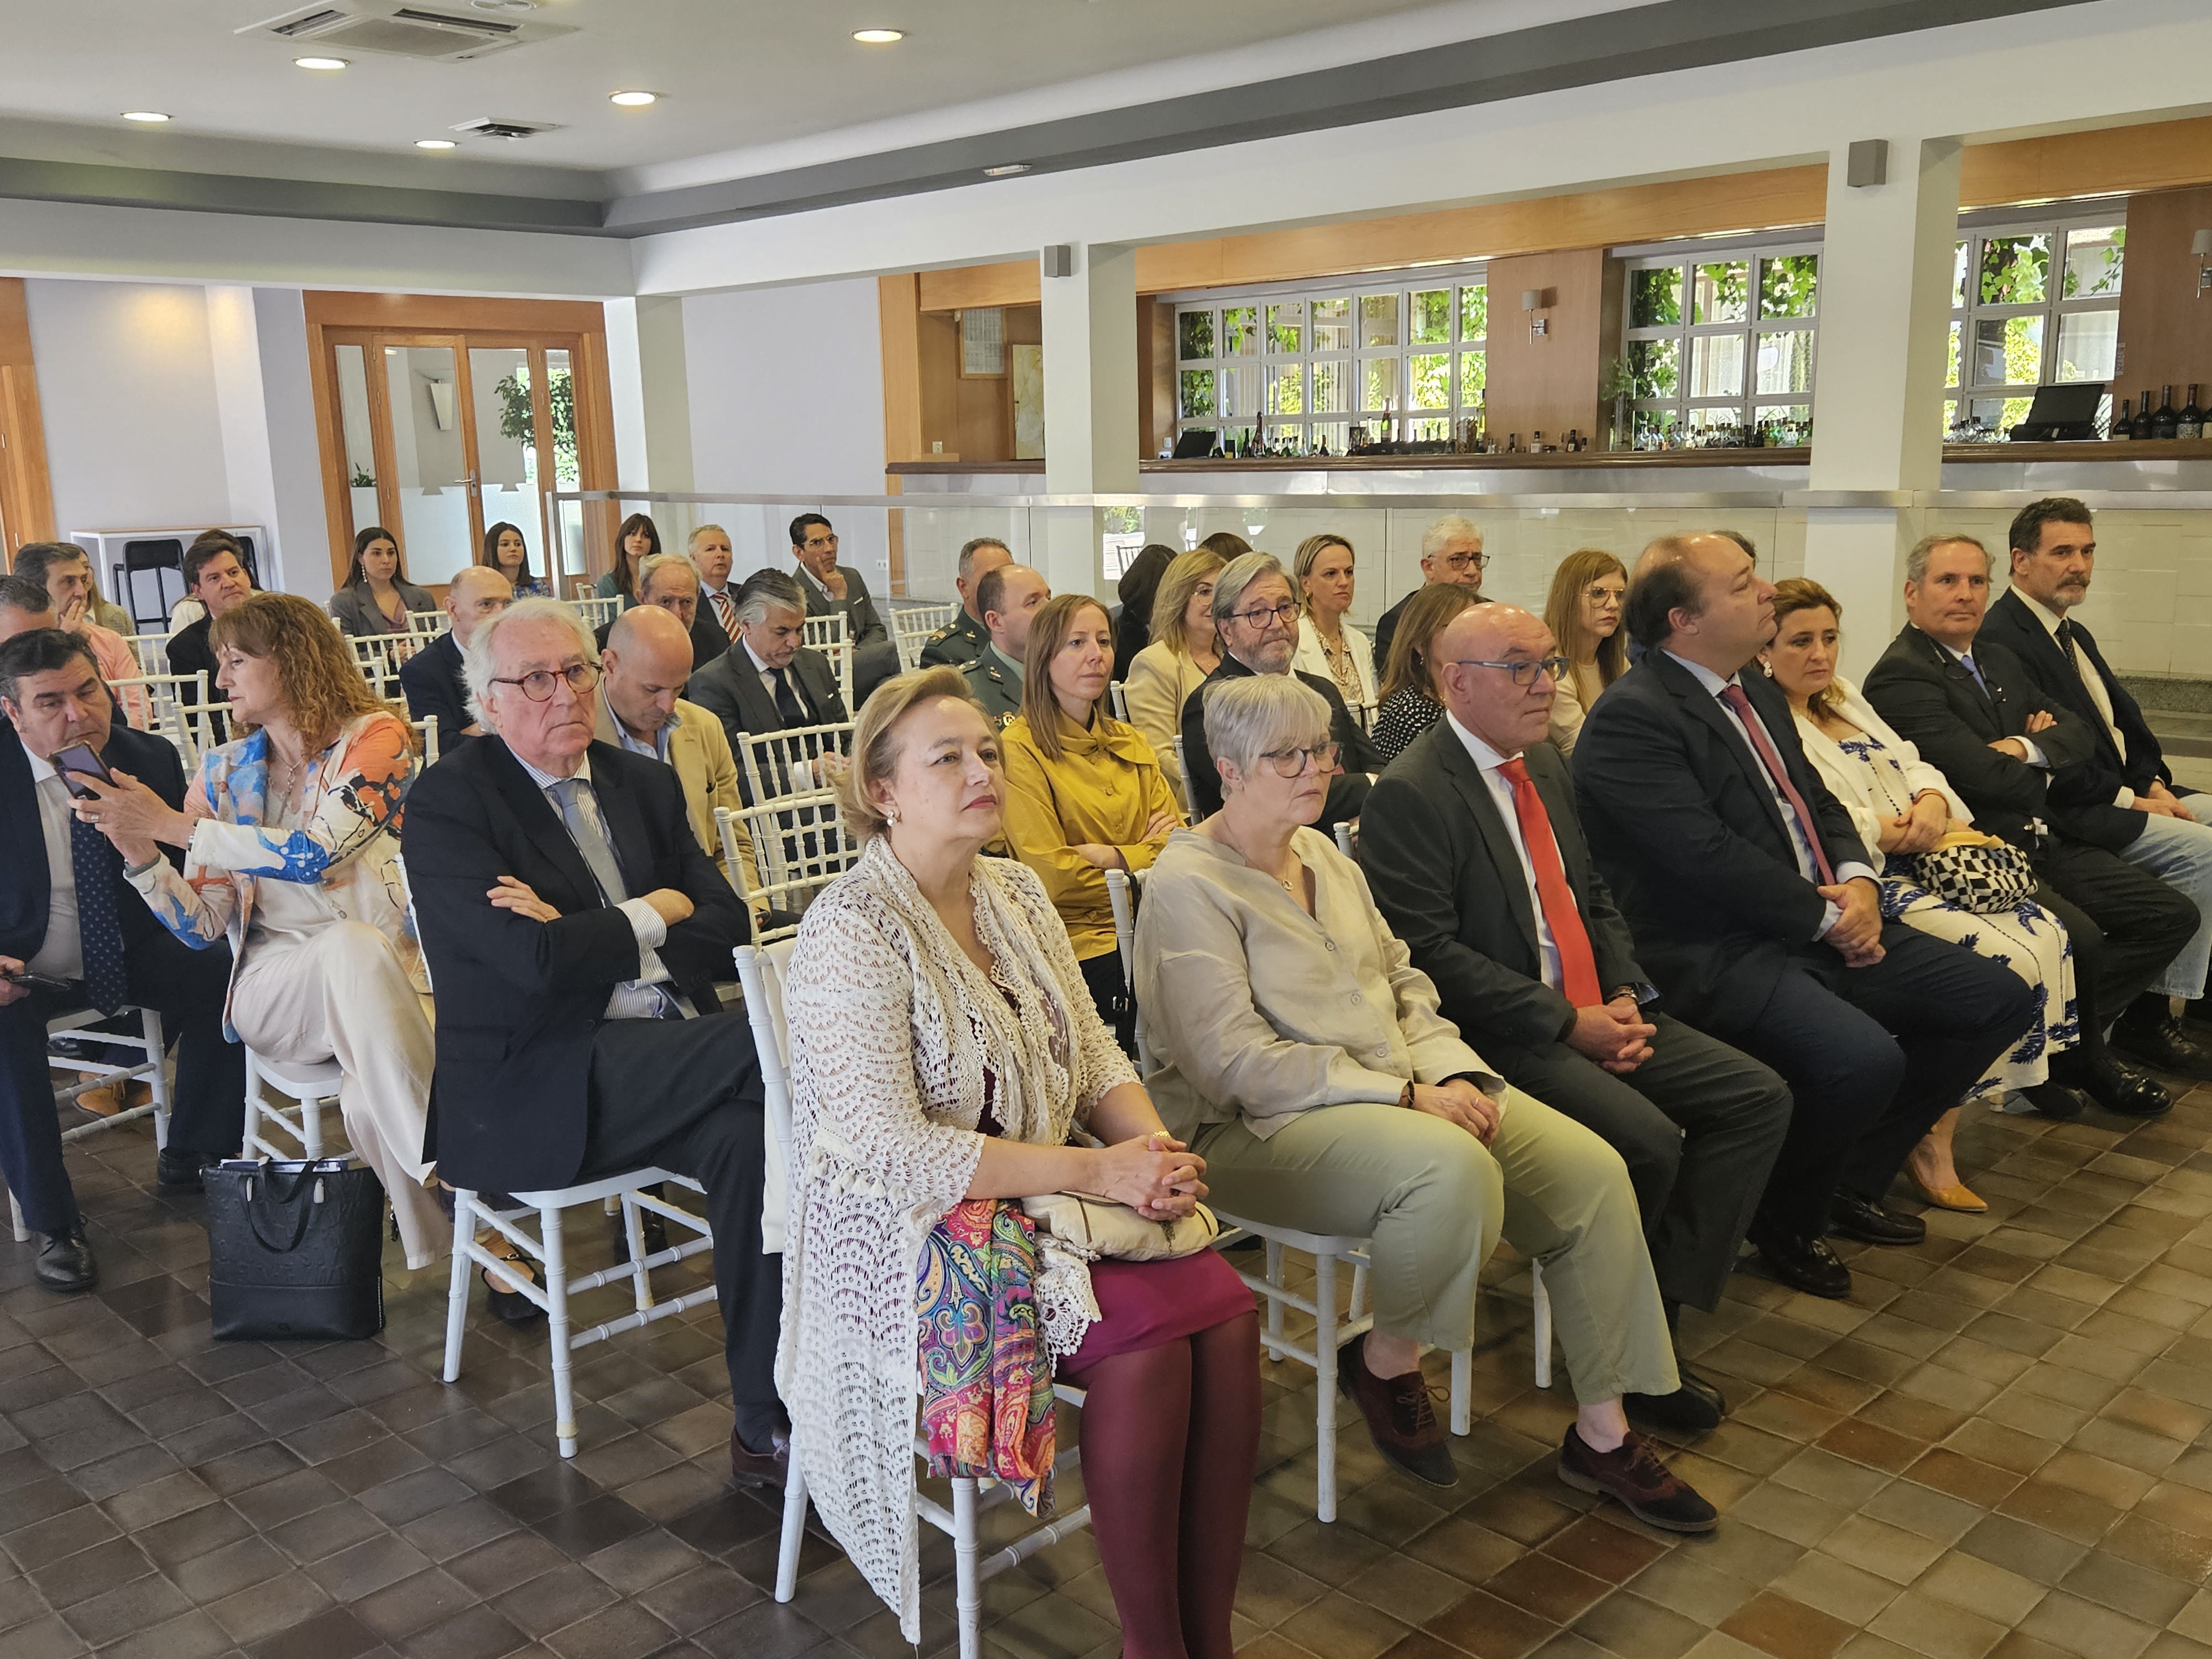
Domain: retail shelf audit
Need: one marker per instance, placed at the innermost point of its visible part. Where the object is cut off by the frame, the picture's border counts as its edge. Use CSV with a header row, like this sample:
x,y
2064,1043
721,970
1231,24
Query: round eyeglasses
x,y
539,687
1291,762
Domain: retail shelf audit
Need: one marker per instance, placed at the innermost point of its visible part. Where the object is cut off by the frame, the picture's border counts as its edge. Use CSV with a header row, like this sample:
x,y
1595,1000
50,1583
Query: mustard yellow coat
x,y
1104,788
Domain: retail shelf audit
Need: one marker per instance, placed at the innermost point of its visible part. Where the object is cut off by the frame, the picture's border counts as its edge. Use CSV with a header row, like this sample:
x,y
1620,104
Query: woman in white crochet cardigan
x,y
944,1049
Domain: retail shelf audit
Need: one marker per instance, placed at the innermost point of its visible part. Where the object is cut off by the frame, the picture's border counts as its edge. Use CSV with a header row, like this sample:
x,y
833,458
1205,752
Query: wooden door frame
x,y
26,502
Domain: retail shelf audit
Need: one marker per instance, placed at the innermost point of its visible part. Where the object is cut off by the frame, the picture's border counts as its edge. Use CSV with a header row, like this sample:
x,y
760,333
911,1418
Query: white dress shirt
x,y
2091,681
60,956
1488,761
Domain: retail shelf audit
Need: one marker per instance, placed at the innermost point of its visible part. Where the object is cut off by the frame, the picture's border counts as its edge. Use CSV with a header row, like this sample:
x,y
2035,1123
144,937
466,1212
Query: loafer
x,y
1633,1477
2119,1087
1863,1218
1401,1417
1696,1407
1803,1264
2155,1038
749,1467
65,1265
181,1171
2054,1101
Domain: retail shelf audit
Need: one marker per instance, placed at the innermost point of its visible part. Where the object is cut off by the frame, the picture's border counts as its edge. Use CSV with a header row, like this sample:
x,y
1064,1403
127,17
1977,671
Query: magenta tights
x,y
1169,1437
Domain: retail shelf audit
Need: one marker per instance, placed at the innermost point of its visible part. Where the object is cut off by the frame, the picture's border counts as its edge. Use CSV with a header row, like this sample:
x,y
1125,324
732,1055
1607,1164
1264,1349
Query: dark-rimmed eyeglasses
x,y
1286,611
1291,762
1523,673
539,687
1467,561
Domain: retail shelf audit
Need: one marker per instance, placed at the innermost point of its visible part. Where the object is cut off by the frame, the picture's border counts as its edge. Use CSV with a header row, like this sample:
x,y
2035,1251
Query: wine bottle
x,y
2121,428
2165,423
2189,423
2142,428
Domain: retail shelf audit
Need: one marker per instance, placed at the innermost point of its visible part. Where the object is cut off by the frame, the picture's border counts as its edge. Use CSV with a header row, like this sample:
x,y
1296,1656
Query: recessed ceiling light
x,y
878,37
434,143
154,117
320,62
634,100
1007,171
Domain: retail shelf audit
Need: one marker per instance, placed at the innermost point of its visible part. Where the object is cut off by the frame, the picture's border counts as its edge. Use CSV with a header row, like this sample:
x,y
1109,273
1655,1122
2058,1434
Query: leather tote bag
x,y
295,1250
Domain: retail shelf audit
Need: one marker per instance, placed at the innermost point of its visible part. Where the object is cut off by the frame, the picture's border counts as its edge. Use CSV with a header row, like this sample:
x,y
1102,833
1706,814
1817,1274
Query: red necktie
x,y
724,615
1578,966
1734,697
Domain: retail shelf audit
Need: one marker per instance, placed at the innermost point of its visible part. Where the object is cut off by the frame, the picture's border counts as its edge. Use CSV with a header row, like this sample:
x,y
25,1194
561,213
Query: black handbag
x,y
295,1250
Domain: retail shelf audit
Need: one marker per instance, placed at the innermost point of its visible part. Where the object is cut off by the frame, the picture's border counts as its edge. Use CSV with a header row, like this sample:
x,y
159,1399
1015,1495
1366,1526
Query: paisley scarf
x,y
986,1405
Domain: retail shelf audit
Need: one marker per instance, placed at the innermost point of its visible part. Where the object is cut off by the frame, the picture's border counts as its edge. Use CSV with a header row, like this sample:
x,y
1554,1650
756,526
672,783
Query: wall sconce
x,y
2202,247
1534,300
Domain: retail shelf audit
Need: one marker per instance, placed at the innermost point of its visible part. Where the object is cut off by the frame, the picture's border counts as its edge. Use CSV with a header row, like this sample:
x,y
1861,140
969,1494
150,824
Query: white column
x,y
1885,268
264,411
1090,405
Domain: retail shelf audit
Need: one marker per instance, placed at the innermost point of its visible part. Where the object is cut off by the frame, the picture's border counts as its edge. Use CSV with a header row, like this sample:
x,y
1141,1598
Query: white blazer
x,y
1846,781
1312,659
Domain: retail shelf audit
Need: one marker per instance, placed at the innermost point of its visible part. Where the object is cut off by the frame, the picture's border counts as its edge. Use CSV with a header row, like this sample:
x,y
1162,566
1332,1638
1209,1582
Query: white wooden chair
x,y
378,656
1117,700
596,611
173,705
913,624
425,625
426,729
150,1046
790,763
152,651
798,850
761,972
827,636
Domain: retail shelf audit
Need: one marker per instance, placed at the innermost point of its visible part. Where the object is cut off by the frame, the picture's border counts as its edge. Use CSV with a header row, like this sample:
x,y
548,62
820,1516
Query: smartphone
x,y
37,981
79,760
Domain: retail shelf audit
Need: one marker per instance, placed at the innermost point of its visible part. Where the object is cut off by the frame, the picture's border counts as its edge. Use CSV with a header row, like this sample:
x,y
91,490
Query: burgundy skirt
x,y
1142,1304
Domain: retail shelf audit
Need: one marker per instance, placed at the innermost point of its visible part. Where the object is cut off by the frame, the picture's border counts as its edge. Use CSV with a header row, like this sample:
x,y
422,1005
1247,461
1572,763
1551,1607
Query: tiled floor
x,y
2002,1444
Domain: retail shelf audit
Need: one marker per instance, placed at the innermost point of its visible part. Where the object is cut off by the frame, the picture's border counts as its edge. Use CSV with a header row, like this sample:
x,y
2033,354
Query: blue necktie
x,y
591,841
1977,673
96,865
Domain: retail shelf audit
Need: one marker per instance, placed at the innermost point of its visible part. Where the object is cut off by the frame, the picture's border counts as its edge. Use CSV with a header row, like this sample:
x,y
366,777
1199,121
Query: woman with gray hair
x,y
1303,1057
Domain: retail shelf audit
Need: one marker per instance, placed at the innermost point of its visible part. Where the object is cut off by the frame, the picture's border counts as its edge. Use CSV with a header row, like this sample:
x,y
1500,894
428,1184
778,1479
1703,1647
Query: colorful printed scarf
x,y
986,1404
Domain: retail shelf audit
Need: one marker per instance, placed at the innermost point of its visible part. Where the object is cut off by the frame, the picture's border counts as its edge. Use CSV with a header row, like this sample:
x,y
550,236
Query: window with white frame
x,y
1293,368
1719,344
2032,303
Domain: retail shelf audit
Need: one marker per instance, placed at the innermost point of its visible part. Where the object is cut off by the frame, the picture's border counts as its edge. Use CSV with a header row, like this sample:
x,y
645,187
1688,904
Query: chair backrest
x,y
426,729
378,656
799,848
175,705
160,557
1117,699
407,896
597,611
827,636
1121,893
790,763
152,651
760,974
913,624
742,873
1344,838
428,624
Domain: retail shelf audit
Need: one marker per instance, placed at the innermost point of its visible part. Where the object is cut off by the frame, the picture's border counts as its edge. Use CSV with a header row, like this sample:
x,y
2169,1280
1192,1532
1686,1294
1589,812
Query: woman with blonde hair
x,y
1413,695
944,1049
291,842
1183,651
1328,645
1583,613
1084,793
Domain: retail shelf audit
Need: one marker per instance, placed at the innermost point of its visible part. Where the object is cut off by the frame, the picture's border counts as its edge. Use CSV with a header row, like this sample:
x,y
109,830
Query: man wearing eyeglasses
x,y
1476,859
1256,623
1451,551
575,929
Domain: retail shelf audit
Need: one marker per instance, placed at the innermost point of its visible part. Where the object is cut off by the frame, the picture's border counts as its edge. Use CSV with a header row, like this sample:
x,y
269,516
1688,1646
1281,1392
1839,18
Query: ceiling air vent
x,y
495,127
405,31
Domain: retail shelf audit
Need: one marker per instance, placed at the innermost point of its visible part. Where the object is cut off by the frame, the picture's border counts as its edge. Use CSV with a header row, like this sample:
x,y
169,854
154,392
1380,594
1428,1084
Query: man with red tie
x,y
1757,915
1471,848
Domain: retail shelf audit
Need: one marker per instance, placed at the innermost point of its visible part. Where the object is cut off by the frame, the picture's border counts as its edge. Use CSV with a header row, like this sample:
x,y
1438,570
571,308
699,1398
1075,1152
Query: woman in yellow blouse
x,y
1084,791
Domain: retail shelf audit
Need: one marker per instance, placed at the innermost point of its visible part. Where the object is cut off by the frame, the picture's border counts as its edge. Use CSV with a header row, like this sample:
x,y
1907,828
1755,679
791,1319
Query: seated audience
x,y
944,1049
1583,613
1969,707
962,639
1758,914
65,569
215,576
25,607
1902,807
669,582
1254,617
575,929
1303,1056
1328,645
289,841
507,552
1412,689
2125,787
376,597
1451,551
638,540
1010,597
1182,651
432,680
768,681
189,609
1138,587
1084,791
1477,861
68,916
834,589
710,554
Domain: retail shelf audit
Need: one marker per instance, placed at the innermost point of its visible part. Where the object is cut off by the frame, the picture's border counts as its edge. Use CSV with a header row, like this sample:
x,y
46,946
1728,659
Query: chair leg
x,y
311,1127
1463,1392
1543,1301
1325,1368
969,1591
557,1291
1274,1255
633,1235
794,1526
457,1297
157,1080
16,1220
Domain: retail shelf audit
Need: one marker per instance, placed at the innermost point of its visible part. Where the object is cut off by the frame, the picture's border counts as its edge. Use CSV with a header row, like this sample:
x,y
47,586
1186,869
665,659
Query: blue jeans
x,y
2180,853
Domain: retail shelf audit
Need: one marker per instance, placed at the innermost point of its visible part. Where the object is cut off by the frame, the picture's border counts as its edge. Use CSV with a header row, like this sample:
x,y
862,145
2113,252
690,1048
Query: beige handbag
x,y
1097,1227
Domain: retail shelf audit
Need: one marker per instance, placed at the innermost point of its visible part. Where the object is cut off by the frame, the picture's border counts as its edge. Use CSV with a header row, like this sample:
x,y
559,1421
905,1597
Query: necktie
x,y
591,840
788,708
1578,965
725,614
1967,662
2098,695
95,863
1734,697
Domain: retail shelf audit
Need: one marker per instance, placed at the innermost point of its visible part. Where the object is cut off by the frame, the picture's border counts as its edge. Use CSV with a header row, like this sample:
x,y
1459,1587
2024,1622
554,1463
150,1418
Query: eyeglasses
x,y
539,687
1604,595
1467,561
1281,613
1291,762
1523,673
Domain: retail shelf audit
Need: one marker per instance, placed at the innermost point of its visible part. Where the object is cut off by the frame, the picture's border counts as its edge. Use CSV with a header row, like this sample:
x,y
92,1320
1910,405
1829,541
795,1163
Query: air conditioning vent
x,y
403,31
495,127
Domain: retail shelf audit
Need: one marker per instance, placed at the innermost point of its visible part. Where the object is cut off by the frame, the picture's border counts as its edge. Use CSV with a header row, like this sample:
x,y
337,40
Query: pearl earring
x,y
890,816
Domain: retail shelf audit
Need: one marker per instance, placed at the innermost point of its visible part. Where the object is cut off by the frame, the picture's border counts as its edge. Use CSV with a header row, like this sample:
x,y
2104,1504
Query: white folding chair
x,y
427,625
169,703
798,850
761,973
1117,699
309,1085
152,651
790,763
426,729
913,624
827,636
378,656
99,1073
597,611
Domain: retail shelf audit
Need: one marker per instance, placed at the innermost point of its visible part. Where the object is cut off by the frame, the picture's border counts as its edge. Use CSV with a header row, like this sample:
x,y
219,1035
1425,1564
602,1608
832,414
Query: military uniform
x,y
995,684
956,644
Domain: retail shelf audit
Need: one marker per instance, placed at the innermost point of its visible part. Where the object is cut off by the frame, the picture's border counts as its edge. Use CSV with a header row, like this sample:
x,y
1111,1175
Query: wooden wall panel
x,y
901,348
27,502
432,313
2166,329
1547,382
2109,161
1013,283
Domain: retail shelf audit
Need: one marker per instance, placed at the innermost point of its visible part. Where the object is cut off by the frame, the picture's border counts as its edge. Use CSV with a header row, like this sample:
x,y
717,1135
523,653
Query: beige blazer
x,y
1159,679
699,751
1254,1008
1571,705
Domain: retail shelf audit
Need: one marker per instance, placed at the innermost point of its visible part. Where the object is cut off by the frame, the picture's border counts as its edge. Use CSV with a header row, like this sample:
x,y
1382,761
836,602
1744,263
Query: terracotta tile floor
x,y
2001,1445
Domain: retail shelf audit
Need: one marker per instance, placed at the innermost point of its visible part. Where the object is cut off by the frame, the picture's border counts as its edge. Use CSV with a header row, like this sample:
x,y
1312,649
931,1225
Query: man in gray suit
x,y
834,589
768,681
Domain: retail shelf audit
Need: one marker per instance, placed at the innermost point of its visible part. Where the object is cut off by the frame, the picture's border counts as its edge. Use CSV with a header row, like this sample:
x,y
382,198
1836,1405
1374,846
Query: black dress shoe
x,y
2119,1087
180,1172
2154,1037
512,1307
1803,1264
1863,1218
2054,1101
65,1264
749,1467
1696,1407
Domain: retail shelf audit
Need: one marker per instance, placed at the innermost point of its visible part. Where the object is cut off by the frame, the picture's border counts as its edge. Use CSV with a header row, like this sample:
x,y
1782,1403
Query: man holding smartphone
x,y
69,918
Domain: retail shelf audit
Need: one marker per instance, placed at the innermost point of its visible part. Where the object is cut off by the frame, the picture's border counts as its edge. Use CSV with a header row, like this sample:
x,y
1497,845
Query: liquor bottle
x,y
2166,423
2142,425
2190,422
2121,428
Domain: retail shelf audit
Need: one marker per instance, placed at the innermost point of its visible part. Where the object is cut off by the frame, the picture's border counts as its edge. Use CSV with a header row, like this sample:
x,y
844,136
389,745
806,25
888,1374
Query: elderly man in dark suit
x,y
1757,915
2025,765
70,921
432,680
1476,859
670,583
768,681
834,589
1256,621
574,930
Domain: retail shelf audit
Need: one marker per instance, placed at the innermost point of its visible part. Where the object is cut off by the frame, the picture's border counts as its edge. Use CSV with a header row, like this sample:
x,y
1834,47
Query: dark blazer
x,y
26,884
1347,791
1678,815
730,687
189,653
519,1002
1386,626
862,625
1924,692
708,642
432,681
1440,861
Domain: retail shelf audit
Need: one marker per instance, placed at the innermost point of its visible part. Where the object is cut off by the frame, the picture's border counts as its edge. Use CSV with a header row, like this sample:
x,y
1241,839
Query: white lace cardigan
x,y
891,1028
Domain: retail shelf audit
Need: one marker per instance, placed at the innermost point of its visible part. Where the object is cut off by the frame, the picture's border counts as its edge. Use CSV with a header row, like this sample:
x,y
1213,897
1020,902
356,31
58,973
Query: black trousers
x,y
685,1096
207,1109
1872,1057
1115,1002
1699,1124
2126,924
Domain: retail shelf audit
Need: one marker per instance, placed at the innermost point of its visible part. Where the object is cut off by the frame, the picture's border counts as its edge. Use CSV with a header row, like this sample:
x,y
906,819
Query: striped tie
x,y
726,612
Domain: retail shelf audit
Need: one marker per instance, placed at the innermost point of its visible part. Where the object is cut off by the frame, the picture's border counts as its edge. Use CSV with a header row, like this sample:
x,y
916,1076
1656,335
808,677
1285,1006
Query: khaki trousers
x,y
1432,1200
340,993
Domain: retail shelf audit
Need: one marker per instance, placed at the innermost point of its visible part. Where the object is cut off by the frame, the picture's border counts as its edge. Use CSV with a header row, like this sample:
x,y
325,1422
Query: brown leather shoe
x,y
1633,1474
751,1468
104,1100
1399,1416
